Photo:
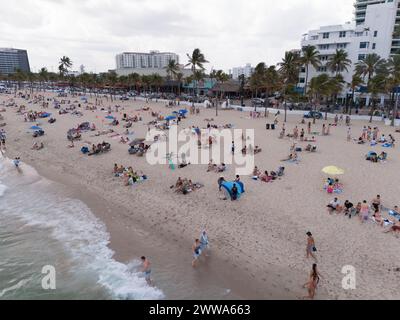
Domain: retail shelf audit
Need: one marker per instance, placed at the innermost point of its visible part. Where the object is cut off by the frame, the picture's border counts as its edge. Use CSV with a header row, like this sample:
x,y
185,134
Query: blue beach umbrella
x,y
35,128
170,118
110,117
183,111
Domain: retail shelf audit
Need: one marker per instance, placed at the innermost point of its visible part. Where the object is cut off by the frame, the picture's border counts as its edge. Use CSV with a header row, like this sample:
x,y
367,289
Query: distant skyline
x,y
230,33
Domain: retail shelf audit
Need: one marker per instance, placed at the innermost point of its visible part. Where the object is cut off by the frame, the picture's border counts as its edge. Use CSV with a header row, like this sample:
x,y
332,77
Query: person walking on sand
x,y
312,282
196,250
233,147
146,269
311,249
204,242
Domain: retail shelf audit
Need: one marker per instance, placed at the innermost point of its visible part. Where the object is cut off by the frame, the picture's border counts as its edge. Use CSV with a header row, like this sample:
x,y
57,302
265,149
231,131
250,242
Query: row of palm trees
x,y
377,75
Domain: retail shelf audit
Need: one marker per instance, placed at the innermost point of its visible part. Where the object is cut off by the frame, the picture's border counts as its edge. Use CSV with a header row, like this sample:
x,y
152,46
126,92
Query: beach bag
x,y
314,249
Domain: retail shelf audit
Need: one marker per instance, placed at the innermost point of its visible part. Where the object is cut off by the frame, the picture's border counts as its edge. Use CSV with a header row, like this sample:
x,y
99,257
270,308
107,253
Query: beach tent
x,y
169,118
44,115
35,128
332,170
229,185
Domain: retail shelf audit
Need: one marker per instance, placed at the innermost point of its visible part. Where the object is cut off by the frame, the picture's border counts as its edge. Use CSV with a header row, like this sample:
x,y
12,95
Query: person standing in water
x,y
146,269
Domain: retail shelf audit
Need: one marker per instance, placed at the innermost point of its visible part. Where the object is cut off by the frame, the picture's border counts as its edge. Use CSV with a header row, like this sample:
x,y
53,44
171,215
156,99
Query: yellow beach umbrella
x,y
332,170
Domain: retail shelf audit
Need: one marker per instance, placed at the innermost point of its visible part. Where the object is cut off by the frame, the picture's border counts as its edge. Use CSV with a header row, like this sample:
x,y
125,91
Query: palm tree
x,y
179,78
196,60
376,85
221,78
19,76
356,81
335,86
43,76
157,81
318,89
310,57
112,80
339,62
64,64
172,69
394,74
369,66
289,71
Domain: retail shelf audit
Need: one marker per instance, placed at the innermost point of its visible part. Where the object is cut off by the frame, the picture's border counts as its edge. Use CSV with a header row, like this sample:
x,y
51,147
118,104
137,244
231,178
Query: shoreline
x,y
129,242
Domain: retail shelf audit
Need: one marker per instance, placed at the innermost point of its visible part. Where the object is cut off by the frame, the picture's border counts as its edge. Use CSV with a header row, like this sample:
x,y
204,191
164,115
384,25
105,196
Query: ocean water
x,y
40,226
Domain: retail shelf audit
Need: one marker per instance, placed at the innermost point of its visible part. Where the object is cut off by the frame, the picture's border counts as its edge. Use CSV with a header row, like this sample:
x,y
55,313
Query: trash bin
x,y
268,126
273,126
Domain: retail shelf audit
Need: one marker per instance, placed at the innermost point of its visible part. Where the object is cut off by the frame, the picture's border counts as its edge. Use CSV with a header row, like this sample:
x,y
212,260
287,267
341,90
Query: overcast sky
x,y
229,32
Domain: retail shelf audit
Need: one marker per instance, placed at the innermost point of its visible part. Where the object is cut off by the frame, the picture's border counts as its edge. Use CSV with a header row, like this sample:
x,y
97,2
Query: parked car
x,y
313,114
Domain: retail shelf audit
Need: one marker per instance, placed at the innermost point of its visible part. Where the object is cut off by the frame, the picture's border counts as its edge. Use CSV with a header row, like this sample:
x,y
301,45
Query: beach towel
x,y
387,145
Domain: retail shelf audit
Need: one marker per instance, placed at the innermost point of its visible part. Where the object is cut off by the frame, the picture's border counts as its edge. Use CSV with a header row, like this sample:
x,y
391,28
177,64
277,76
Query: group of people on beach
x,y
129,176
373,136
368,212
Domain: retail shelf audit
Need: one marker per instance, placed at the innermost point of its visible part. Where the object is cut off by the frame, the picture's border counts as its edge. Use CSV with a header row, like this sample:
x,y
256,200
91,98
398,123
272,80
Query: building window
x,y
342,34
321,69
303,69
325,35
359,34
302,80
364,45
341,45
373,46
375,34
324,47
361,57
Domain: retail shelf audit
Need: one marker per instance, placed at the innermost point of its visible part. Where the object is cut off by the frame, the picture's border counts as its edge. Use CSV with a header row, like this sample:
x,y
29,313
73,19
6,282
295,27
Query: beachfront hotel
x,y
12,60
144,63
247,71
371,32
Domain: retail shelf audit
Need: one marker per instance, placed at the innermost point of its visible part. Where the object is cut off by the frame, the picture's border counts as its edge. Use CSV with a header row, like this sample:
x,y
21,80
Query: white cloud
x,y
229,32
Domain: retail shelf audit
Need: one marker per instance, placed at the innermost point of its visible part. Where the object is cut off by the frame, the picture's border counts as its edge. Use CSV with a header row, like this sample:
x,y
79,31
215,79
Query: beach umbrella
x,y
183,111
170,118
35,128
110,117
175,112
136,142
333,170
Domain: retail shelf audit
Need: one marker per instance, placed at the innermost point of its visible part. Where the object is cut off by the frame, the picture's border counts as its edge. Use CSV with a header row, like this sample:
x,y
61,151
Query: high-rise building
x,y
361,9
372,32
137,60
13,59
247,71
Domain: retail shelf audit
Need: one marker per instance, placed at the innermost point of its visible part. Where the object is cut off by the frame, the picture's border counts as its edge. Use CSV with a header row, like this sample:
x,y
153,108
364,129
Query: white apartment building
x,y
247,71
152,60
371,32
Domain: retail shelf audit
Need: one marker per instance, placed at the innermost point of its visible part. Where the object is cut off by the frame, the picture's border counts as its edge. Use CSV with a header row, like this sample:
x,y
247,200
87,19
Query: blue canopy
x,y
35,128
110,117
229,185
170,118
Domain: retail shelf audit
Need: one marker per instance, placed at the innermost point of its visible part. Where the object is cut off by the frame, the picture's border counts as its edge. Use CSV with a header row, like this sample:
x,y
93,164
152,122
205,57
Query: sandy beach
x,y
257,243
